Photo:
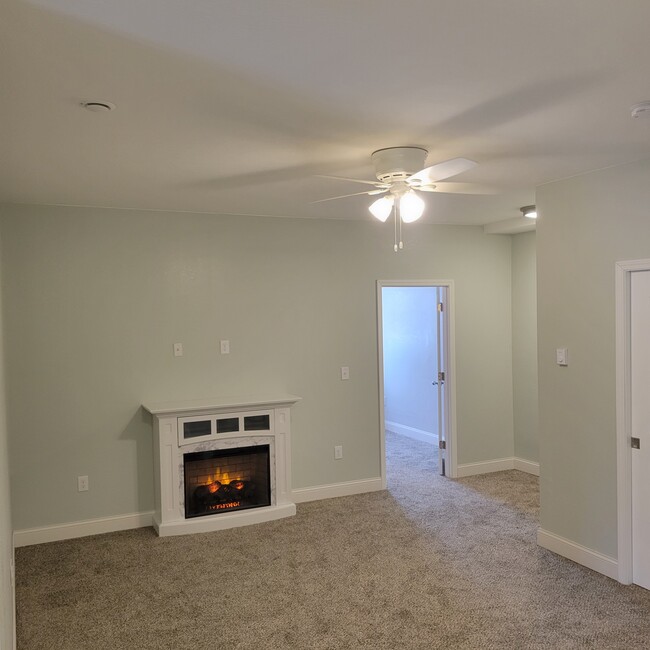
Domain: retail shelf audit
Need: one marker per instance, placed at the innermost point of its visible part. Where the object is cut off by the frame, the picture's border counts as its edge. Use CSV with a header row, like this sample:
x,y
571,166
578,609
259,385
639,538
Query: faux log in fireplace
x,y
226,480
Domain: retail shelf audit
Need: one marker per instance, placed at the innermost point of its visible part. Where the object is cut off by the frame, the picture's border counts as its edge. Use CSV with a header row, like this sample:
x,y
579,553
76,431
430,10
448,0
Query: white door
x,y
441,378
640,425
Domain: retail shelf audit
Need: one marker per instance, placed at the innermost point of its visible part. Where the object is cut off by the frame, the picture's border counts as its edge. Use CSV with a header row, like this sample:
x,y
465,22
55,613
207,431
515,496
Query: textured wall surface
x,y
94,300
410,356
586,224
524,346
6,530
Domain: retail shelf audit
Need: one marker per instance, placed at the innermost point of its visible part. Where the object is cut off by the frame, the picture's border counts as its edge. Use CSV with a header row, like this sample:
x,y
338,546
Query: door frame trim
x,y
623,271
450,378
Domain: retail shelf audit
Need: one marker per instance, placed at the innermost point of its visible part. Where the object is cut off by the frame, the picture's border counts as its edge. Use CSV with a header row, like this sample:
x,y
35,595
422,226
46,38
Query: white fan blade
x,y
345,196
440,171
459,188
354,180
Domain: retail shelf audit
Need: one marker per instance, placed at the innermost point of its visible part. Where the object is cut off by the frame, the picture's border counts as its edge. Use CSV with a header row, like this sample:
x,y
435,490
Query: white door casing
x,y
640,424
447,427
633,420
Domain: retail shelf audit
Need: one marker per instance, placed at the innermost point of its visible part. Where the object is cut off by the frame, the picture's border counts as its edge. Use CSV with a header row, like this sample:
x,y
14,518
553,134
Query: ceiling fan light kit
x,y
400,174
529,211
382,208
411,207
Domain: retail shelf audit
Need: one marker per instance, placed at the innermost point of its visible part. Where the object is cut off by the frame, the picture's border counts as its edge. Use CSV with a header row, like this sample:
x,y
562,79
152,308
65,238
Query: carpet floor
x,y
430,563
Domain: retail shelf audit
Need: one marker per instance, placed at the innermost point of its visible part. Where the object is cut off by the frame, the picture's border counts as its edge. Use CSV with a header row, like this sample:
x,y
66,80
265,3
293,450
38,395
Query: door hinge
x,y
635,443
441,306
441,376
442,444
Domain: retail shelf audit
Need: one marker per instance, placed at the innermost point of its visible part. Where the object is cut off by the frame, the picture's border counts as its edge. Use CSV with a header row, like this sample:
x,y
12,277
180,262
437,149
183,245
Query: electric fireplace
x,y
226,480
221,463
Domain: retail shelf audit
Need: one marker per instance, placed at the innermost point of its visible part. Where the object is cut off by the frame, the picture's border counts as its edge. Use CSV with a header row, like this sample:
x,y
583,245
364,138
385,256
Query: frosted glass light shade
x,y
411,207
529,211
381,208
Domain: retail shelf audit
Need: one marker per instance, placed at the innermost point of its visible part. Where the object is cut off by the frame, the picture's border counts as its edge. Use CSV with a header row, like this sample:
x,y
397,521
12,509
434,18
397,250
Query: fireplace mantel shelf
x,y
214,404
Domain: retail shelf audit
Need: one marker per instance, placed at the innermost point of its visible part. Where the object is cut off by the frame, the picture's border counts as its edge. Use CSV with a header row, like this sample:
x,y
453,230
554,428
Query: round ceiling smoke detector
x,y
641,110
98,107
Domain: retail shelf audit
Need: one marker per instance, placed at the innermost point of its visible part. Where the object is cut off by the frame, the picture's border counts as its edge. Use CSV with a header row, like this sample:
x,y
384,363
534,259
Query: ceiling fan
x,y
400,175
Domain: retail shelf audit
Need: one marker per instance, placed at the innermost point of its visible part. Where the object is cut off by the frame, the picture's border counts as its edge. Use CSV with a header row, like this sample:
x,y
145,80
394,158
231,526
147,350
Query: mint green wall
x,y
6,530
586,224
524,346
94,300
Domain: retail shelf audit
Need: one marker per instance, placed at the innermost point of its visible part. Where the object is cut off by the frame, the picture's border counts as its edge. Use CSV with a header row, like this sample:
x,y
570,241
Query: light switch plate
x,y
178,349
225,347
345,373
562,357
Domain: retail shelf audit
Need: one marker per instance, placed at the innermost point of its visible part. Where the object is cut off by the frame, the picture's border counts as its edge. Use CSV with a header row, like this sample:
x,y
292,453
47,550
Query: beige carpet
x,y
432,563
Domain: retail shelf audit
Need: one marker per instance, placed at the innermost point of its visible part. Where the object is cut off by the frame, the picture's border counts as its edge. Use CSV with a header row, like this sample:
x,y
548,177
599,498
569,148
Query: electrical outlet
x,y
338,452
82,483
178,349
225,347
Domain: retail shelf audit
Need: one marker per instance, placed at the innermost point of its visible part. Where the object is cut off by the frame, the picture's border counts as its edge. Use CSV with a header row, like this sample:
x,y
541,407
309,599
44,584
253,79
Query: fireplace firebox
x,y
226,480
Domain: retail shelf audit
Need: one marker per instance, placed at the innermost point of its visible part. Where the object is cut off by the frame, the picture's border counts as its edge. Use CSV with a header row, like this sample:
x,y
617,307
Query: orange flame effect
x,y
223,478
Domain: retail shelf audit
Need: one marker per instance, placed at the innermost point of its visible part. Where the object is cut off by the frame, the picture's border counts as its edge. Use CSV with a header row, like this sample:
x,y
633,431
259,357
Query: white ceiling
x,y
234,106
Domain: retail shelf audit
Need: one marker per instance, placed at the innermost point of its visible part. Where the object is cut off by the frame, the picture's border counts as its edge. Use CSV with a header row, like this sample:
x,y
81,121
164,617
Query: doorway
x,y
416,366
633,420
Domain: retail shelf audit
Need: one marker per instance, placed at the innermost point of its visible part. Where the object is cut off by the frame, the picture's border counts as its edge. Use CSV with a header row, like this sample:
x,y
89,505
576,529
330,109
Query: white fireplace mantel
x,y
170,445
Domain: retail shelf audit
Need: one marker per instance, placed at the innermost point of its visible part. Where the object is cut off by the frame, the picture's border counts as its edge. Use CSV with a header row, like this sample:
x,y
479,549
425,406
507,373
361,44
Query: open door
x,y
414,366
439,382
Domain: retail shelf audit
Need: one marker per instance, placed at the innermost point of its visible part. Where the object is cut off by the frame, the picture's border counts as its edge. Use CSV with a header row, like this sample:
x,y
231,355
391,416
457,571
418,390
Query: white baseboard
x,y
13,594
30,536
581,554
498,465
58,532
302,495
412,432
485,467
527,466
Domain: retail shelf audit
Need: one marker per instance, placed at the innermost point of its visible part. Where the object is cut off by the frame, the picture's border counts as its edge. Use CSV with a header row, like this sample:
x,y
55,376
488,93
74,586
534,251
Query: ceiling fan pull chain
x,y
401,243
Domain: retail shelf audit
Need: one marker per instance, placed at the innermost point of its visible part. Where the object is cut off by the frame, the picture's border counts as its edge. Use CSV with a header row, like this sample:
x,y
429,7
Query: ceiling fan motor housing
x,y
398,163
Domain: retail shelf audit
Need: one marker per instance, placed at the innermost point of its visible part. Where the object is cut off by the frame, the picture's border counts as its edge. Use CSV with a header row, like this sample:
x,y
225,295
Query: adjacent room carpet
x,y
430,563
